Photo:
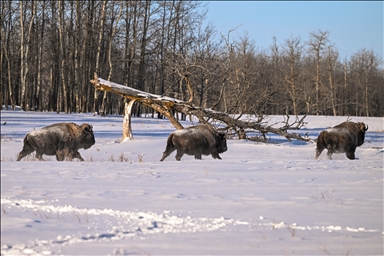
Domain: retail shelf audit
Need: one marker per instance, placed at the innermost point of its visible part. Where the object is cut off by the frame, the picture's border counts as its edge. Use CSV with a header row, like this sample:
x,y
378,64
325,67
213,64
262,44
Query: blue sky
x,y
353,25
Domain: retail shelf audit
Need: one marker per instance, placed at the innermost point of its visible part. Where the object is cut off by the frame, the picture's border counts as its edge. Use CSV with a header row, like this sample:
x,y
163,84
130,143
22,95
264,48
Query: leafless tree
x,y
25,39
292,51
50,50
364,69
331,60
317,43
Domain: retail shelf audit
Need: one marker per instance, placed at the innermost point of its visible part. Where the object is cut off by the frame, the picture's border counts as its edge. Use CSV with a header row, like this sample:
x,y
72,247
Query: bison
x,y
196,140
61,139
343,138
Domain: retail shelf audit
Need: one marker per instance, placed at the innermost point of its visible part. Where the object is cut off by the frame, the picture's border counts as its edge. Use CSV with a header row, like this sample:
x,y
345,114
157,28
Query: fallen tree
x,y
167,105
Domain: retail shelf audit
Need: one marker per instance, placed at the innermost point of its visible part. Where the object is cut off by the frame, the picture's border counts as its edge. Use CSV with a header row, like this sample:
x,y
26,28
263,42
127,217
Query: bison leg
x,y
319,150
163,157
214,154
350,155
59,157
179,154
76,154
166,153
169,148
39,156
329,154
198,156
26,151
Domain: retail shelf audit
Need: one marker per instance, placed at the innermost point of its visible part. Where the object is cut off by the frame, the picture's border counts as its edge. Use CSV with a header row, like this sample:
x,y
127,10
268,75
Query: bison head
x,y
221,143
87,138
361,133
362,127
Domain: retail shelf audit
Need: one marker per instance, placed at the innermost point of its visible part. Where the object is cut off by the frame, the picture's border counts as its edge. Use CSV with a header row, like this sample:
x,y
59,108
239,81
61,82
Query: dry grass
x,y
326,197
63,216
122,158
65,155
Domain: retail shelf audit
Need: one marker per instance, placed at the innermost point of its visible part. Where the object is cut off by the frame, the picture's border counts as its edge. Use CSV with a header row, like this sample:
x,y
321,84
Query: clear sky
x,y
353,25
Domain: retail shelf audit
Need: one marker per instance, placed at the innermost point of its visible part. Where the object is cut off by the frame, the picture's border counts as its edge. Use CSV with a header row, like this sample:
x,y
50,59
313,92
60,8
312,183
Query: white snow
x,y
259,199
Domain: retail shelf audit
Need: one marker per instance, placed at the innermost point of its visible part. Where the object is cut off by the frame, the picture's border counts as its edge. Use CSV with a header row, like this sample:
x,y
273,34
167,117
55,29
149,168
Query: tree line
x,y
51,49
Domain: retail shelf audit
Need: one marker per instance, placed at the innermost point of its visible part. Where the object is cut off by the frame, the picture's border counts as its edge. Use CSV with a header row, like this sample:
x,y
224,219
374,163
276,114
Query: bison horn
x,y
87,127
366,128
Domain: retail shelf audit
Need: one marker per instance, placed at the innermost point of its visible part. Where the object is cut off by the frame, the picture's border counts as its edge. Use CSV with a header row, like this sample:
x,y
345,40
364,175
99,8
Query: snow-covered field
x,y
259,199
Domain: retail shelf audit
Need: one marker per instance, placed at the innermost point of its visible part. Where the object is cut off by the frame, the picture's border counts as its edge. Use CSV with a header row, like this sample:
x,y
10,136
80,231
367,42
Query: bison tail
x,y
169,148
320,144
170,145
27,149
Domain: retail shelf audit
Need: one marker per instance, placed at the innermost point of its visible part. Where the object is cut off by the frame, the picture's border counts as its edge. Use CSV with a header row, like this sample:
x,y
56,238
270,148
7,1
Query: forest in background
x,y
51,49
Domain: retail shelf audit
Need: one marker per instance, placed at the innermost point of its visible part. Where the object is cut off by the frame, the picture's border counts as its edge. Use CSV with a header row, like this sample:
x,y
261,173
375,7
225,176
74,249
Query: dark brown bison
x,y
343,138
196,140
61,139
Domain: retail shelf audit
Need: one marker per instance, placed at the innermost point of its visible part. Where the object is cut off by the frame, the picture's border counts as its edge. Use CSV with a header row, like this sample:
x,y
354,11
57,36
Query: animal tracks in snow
x,y
133,224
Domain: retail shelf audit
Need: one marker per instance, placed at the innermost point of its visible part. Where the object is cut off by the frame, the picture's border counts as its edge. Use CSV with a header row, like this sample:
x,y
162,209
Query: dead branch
x,y
164,105
296,125
189,89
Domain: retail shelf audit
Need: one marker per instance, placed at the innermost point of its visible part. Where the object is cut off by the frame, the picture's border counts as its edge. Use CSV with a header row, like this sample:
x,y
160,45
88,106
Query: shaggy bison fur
x,y
61,139
343,138
196,140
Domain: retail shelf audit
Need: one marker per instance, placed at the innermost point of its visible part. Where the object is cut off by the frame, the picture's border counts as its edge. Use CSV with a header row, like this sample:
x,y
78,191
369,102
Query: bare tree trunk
x,y
103,105
77,57
366,97
101,31
9,78
22,58
357,107
50,92
371,65
316,44
128,23
5,35
39,95
63,56
333,96
331,59
86,98
345,89
317,82
127,127
24,49
143,45
293,53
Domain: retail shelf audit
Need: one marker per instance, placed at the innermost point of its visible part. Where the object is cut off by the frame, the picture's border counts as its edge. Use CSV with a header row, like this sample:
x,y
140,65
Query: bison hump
x,y
183,132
